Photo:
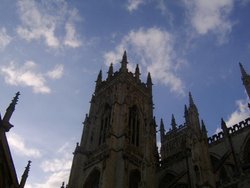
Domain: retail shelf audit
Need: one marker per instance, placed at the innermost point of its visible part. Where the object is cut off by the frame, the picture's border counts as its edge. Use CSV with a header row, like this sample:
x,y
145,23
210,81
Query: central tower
x,y
118,145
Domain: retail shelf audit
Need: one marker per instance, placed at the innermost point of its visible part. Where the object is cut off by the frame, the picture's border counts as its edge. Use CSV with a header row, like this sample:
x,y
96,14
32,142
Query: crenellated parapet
x,y
235,129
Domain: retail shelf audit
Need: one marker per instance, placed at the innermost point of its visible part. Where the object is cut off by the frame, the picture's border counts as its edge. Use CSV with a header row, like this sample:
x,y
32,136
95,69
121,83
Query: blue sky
x,y
52,51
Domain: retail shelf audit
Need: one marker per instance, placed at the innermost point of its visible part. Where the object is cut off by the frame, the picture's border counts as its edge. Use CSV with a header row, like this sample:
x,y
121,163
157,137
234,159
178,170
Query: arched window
x,y
134,126
105,122
93,179
134,179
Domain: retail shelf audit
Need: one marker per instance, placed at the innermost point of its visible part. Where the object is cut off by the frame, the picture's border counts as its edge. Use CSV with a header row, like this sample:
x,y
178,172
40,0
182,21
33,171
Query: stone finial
x,y
124,62
149,80
242,70
9,111
173,122
25,175
137,73
62,185
110,72
224,127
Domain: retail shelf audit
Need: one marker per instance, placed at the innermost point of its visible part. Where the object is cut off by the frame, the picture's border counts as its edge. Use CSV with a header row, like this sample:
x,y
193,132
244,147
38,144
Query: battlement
x,y
231,131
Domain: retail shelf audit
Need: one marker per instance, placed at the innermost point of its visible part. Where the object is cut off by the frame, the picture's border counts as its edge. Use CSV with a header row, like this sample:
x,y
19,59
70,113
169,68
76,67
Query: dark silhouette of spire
x,y
99,79
162,130
110,72
203,128
149,80
246,80
9,111
242,70
192,106
25,175
62,185
124,62
173,123
137,73
186,114
224,127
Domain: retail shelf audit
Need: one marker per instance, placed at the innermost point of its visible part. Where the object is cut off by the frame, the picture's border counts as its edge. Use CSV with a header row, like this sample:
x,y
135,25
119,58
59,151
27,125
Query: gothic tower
x,y
118,144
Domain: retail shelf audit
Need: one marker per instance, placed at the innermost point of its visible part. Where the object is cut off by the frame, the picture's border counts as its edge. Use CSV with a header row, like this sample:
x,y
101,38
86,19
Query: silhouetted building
x,y
8,176
118,145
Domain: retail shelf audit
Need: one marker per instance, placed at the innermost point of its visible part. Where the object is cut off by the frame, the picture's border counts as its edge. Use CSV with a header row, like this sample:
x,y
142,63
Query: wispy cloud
x,y
41,20
133,5
154,49
5,39
17,143
71,39
210,16
57,72
57,169
27,75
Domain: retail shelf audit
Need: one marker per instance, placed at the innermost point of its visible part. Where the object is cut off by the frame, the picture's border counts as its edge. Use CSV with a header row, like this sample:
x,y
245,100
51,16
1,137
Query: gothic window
x,y
93,179
134,126
134,179
105,122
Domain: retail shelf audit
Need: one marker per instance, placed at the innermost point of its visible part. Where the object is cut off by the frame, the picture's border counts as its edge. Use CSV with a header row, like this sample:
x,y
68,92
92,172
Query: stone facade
x,y
118,145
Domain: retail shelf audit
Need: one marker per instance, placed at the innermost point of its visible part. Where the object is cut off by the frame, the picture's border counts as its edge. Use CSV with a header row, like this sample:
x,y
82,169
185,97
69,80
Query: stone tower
x,y
118,145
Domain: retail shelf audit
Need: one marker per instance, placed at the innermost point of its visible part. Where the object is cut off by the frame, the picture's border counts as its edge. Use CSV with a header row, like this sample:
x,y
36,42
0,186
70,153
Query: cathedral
x,y
118,145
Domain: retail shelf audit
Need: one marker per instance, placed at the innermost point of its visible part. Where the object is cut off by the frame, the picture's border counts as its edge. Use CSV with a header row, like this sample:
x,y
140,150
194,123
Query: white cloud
x,y
54,180
211,16
27,75
57,72
240,114
42,21
134,4
17,143
154,49
58,168
5,39
71,37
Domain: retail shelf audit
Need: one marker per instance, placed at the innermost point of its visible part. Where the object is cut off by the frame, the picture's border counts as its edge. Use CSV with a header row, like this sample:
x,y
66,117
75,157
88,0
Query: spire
x,y
149,80
9,112
62,185
186,114
25,175
137,73
224,127
242,70
173,123
191,101
246,80
99,79
124,62
110,72
162,130
203,128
